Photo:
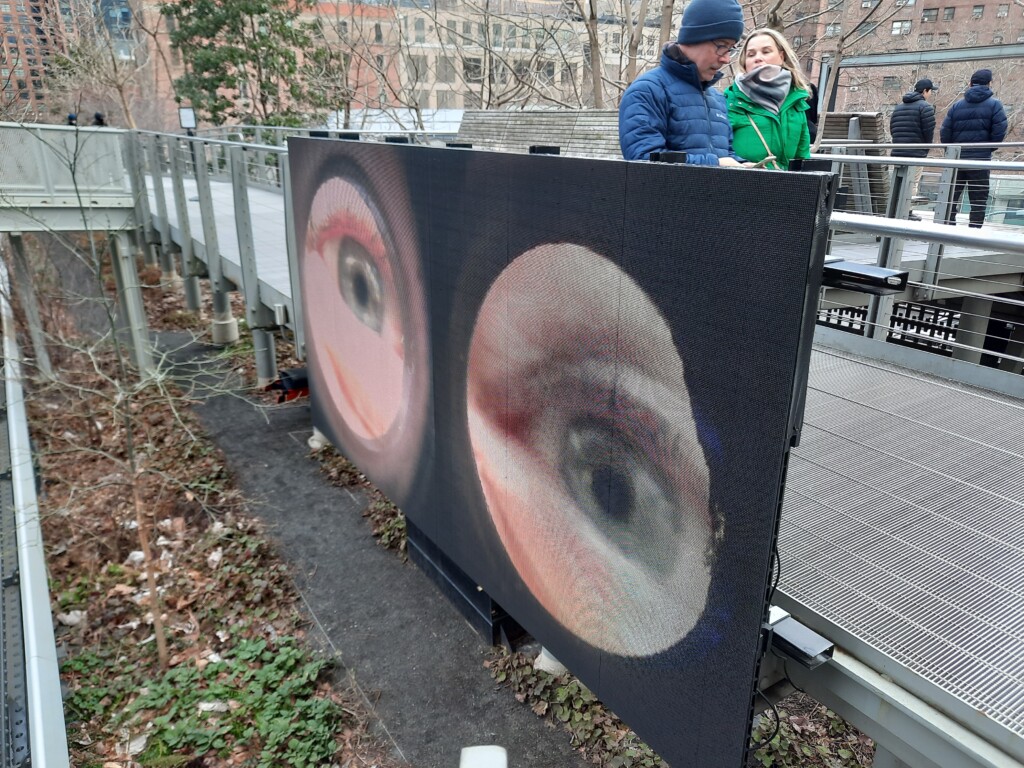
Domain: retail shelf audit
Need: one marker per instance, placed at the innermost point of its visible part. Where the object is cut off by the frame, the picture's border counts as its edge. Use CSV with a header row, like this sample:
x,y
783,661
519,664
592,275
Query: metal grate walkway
x,y
902,534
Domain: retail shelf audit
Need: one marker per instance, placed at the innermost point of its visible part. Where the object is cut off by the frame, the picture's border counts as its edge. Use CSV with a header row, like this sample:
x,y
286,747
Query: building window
x,y
798,40
832,30
972,38
417,68
445,100
545,72
452,34
868,3
997,39
930,14
977,11
467,31
473,70
420,29
901,27
496,38
378,33
926,39
445,70
568,74
1003,10
948,14
472,100
943,38
891,83
901,3
866,27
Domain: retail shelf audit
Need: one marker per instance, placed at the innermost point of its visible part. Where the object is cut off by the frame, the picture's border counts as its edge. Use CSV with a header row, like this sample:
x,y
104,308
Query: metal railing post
x,y
890,251
27,296
257,315
225,327
943,207
189,263
144,221
129,295
297,317
162,226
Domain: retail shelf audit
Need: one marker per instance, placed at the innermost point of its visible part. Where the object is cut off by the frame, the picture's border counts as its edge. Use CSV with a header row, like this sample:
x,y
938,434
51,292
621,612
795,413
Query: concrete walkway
x,y
410,651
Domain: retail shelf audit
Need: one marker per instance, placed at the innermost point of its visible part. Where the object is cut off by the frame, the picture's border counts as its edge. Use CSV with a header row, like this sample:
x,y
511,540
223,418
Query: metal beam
x,y
979,53
906,727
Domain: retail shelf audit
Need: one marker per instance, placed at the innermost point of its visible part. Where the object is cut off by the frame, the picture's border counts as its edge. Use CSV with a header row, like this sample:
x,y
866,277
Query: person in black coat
x,y
978,117
913,121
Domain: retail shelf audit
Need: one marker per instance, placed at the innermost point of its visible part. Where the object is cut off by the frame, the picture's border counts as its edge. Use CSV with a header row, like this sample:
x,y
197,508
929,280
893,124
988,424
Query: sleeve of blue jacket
x,y
946,132
999,122
643,122
644,125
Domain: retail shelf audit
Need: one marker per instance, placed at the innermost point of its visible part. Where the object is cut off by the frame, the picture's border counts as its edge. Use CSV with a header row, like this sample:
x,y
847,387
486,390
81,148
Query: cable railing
x,y
964,294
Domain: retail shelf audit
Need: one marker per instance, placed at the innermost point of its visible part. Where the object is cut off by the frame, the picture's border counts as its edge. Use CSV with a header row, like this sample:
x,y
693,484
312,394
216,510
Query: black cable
x,y
785,671
778,720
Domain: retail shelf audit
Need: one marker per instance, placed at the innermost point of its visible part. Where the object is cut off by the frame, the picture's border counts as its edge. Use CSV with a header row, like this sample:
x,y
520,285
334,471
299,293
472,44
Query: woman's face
x,y
761,49
587,451
367,325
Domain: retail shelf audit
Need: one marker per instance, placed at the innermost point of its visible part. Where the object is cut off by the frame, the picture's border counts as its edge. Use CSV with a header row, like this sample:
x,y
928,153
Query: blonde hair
x,y
789,60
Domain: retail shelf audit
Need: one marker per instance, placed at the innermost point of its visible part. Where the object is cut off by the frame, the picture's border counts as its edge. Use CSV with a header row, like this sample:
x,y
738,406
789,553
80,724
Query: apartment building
x,y
28,41
898,26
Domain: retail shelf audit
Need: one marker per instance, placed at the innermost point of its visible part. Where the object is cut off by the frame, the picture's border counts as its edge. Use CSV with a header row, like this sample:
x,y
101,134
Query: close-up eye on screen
x,y
367,331
587,450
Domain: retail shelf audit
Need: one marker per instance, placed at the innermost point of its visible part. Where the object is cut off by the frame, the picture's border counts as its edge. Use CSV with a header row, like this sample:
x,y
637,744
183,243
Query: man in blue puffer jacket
x,y
674,107
978,117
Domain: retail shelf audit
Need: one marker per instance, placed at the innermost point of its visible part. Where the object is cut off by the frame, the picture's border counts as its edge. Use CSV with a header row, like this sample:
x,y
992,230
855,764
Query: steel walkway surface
x,y
902,536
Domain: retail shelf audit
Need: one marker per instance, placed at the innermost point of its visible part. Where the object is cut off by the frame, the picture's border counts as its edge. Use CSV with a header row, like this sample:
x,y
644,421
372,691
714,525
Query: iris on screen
x,y
587,451
367,328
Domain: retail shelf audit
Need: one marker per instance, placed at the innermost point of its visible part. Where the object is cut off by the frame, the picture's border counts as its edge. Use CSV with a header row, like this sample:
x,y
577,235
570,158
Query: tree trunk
x,y
667,6
596,66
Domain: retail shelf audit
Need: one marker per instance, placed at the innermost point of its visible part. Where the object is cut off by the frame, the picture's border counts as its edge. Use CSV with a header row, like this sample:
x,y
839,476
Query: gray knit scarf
x,y
767,85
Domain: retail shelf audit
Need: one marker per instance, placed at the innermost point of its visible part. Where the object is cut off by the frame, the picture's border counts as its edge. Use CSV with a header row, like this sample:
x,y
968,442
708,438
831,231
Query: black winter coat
x,y
912,122
977,117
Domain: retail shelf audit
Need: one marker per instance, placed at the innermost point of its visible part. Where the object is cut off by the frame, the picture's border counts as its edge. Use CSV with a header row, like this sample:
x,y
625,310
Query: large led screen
x,y
578,378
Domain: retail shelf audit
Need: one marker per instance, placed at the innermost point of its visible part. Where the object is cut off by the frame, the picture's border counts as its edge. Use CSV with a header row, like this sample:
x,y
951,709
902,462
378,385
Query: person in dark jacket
x,y
913,121
977,118
99,121
674,107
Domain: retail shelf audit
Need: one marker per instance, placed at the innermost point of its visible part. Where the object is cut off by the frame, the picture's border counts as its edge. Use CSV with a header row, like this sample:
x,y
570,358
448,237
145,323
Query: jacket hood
x,y
910,98
674,60
977,94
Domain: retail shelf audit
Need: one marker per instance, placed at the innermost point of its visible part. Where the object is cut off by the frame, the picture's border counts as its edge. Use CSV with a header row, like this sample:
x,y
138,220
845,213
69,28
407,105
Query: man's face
x,y
710,56
927,93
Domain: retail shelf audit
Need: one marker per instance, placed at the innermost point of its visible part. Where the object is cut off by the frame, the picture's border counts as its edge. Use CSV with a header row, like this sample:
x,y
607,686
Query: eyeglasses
x,y
722,49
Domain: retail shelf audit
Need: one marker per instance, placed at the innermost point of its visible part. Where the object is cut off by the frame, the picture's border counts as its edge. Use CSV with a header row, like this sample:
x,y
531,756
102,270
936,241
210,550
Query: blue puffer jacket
x,y
977,117
669,108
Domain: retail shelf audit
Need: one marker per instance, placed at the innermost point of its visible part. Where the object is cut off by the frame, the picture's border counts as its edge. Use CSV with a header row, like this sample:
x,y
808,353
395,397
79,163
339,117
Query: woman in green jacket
x,y
768,102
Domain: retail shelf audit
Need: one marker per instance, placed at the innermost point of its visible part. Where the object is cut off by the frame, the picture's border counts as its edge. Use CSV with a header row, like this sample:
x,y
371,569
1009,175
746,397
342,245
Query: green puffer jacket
x,y
786,133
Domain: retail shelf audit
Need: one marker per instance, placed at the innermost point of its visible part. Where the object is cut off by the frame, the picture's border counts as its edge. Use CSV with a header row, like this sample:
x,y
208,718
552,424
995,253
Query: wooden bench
x,y
578,132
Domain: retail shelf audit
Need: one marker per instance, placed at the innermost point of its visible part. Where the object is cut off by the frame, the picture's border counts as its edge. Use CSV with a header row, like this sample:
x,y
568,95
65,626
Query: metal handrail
x,y
47,736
